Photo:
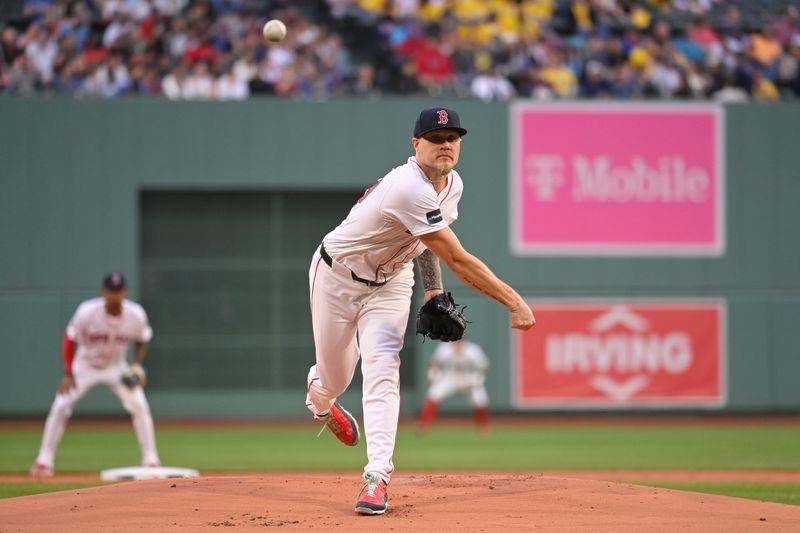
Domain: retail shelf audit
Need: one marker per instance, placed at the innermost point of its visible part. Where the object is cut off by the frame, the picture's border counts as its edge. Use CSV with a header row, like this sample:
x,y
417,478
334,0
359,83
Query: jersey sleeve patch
x,y
434,217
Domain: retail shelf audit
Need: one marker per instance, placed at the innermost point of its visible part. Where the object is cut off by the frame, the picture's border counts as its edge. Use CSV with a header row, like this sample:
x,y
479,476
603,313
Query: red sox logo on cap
x,y
114,281
437,118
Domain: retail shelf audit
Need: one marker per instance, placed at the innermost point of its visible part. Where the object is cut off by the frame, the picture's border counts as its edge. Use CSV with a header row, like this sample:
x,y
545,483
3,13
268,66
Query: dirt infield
x,y
447,502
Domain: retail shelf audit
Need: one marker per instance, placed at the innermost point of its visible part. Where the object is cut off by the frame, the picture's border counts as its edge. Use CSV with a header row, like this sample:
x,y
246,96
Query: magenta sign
x,y
617,180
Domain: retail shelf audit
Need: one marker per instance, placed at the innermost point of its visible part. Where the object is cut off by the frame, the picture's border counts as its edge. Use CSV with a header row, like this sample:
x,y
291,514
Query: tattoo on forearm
x,y
430,271
478,288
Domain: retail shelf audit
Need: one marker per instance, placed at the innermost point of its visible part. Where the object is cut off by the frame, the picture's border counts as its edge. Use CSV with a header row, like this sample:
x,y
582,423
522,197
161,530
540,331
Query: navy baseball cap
x,y
114,282
437,118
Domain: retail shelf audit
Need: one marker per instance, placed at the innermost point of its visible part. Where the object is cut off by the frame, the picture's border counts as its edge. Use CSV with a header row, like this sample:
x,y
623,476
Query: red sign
x,y
618,354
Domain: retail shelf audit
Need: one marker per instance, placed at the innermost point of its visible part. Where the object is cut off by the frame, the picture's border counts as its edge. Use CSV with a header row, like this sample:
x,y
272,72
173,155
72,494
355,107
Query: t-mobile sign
x,y
618,354
617,180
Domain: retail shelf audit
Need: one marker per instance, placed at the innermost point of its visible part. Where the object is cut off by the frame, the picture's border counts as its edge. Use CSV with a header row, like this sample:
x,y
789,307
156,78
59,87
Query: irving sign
x,y
618,354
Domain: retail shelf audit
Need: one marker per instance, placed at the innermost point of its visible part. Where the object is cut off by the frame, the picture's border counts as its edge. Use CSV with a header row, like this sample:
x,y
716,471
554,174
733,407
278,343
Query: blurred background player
x,y
102,328
457,368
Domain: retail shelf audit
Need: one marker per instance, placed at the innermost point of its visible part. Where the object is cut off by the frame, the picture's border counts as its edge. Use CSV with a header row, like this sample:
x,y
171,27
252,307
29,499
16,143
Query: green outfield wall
x,y
213,211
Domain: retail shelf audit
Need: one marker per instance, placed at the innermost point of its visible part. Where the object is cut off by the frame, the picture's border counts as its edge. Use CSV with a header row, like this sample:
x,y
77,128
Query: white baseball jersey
x,y
102,338
459,367
102,341
379,235
463,363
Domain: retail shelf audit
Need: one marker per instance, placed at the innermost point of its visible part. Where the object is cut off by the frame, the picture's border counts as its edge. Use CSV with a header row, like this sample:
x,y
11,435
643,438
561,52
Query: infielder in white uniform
x,y
361,279
102,328
457,368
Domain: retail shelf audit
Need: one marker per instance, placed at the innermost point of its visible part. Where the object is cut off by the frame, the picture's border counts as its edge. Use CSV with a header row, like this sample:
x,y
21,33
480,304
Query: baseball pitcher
x,y
361,280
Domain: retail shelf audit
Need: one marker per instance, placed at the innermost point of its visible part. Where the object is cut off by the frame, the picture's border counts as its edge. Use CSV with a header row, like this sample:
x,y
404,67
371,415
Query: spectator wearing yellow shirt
x,y
433,10
508,20
476,21
375,7
535,14
470,10
763,89
584,14
560,77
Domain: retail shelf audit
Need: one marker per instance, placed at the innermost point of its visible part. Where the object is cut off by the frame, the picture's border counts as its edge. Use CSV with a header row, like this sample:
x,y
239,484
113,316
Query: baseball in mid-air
x,y
274,30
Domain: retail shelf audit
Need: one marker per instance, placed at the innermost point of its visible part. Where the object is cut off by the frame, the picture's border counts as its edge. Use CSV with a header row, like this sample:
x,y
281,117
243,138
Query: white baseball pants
x,y
133,400
351,319
444,388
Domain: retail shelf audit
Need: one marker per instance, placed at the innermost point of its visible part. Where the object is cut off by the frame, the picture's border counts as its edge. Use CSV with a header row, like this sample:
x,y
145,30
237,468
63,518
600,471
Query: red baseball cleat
x,y
41,470
343,425
373,498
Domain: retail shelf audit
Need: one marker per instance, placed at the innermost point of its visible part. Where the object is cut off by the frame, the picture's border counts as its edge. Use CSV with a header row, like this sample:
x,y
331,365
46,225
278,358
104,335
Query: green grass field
x,y
445,448
769,492
12,490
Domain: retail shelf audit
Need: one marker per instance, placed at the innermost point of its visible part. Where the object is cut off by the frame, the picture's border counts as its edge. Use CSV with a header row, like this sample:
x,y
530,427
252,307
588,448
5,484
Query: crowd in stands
x,y
487,49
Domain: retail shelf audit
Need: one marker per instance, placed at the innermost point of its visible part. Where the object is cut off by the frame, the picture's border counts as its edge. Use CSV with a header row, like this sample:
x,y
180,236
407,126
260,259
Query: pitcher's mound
x,y
447,502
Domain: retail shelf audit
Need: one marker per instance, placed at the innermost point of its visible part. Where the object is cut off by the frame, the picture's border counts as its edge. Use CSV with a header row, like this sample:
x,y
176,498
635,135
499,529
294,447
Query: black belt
x,y
329,260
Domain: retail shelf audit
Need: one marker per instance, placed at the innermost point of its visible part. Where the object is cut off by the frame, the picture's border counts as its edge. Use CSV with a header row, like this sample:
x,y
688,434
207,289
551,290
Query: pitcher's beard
x,y
444,168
